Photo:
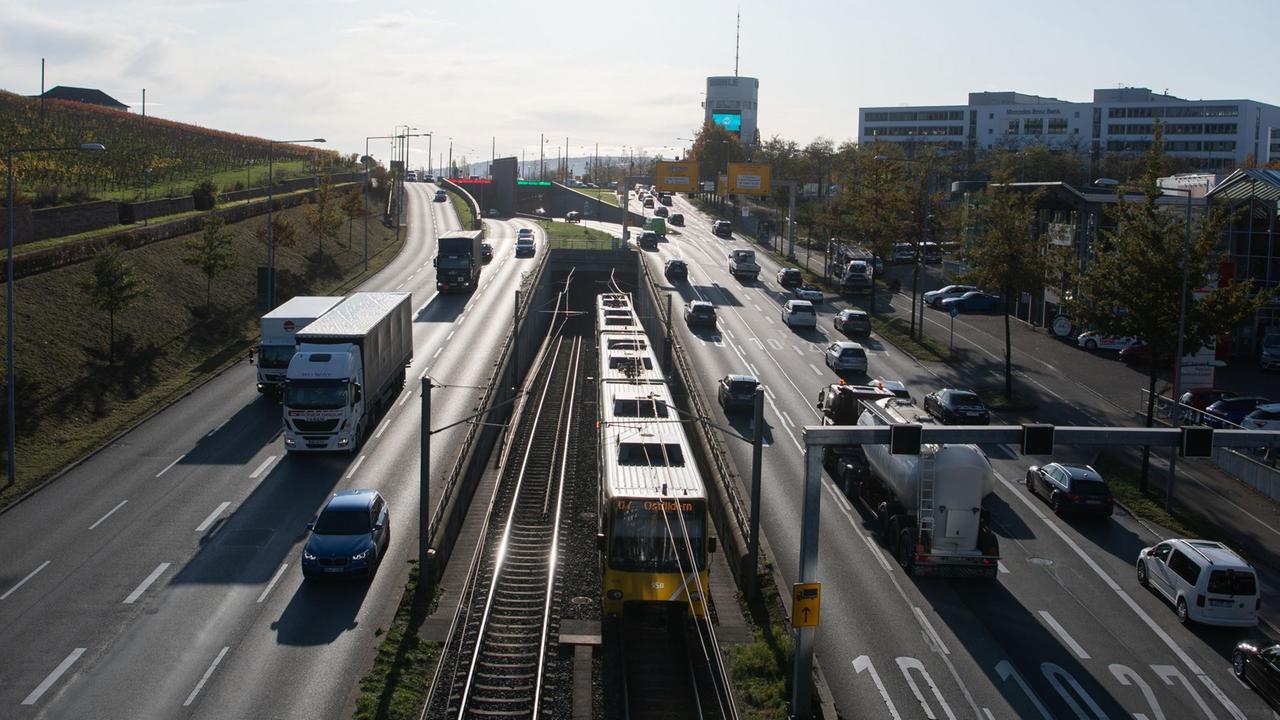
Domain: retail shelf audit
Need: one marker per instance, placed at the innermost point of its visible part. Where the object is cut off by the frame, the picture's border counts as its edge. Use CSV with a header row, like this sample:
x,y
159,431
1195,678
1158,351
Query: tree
x,y
1008,254
211,252
283,232
714,148
112,287
324,217
353,208
1133,285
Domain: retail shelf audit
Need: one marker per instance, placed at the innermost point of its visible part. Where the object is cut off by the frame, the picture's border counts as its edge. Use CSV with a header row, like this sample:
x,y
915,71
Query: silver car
x,y
846,356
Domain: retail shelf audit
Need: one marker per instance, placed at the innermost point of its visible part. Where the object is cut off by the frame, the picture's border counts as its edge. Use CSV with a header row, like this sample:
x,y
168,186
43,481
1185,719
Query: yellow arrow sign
x,y
806,606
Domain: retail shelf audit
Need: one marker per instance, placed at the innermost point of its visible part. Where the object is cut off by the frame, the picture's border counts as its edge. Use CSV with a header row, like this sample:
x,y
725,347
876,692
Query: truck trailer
x,y
348,368
928,507
458,260
278,344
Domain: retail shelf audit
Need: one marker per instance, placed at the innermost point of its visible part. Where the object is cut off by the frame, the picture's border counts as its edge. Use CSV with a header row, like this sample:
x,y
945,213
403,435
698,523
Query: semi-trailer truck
x,y
349,366
278,330
928,507
458,260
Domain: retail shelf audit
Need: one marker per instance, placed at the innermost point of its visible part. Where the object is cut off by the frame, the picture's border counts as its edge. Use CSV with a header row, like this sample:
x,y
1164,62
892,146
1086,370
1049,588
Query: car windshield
x,y
802,309
326,394
853,353
275,356
1232,582
454,261
343,521
966,400
742,387
642,531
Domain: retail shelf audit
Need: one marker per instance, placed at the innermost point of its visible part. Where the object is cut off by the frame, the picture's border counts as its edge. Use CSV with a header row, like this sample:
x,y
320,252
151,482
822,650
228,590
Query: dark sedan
x,y
956,407
349,536
700,312
1258,664
1232,410
1071,488
974,301
790,278
1201,398
1139,353
676,271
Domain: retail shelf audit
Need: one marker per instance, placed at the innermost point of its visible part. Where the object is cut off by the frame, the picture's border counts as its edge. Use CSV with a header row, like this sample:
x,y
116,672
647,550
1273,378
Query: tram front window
x,y
649,535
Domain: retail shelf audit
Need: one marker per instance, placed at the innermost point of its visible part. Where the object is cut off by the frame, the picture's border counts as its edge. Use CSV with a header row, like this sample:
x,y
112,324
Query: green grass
x,y
609,196
397,685
1149,506
761,670
460,206
573,236
897,331
256,176
71,400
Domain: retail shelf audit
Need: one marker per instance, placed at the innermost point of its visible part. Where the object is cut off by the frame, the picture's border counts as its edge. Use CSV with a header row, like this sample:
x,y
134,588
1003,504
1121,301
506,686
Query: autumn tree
x,y
324,214
112,287
283,232
353,208
1133,287
210,252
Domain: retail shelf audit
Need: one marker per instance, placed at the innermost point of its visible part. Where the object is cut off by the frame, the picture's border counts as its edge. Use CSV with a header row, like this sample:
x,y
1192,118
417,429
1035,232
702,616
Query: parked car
x,y
648,239
1205,581
846,356
573,216
1071,488
799,313
1098,341
852,321
722,228
676,219
956,407
1139,353
737,392
808,291
676,270
1232,410
1263,417
790,278
1201,398
1257,663
972,301
700,312
934,298
349,536
486,252
661,211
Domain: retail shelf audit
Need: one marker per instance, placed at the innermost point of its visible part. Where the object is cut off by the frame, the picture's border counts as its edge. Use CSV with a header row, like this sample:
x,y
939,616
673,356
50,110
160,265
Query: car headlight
x,y
306,555
343,441
288,442
361,555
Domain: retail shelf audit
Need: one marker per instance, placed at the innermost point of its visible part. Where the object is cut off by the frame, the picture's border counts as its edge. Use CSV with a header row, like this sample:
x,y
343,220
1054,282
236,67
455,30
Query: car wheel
x,y
1090,345
1031,486
906,550
1237,664
1183,616
1142,573
1055,504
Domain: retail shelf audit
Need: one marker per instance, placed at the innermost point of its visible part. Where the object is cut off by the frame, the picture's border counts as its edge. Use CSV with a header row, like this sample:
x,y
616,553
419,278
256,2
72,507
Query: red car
x,y
1138,353
1201,398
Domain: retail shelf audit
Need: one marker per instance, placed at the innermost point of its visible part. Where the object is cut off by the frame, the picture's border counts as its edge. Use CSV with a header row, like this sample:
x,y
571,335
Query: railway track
x,y
493,665
670,667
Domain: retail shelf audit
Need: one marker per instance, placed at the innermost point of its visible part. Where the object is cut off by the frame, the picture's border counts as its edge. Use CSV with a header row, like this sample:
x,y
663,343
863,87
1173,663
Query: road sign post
x,y
806,604
951,344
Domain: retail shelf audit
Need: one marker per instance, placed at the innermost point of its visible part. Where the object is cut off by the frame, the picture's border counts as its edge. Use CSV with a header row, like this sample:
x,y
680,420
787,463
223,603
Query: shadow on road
x,y
320,611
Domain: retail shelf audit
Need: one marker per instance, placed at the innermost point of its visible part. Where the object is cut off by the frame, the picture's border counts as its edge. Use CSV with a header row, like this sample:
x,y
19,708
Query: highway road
x,y
1063,632
160,578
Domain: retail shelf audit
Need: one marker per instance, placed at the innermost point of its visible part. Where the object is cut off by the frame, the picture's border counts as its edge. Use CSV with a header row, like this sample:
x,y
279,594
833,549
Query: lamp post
x,y
271,249
9,377
146,193
404,155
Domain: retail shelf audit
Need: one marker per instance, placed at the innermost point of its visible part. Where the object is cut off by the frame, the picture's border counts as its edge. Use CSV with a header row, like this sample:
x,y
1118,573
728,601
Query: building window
x,y
1033,126
1077,113
1013,128
991,116
1220,129
1058,126
876,116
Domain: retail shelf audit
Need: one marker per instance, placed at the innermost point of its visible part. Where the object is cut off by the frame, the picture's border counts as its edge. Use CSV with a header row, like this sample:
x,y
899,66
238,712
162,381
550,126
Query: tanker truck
x,y
928,507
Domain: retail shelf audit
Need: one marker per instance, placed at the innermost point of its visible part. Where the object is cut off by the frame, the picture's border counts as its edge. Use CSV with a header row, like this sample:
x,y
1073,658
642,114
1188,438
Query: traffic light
x,y
1037,439
1197,442
904,439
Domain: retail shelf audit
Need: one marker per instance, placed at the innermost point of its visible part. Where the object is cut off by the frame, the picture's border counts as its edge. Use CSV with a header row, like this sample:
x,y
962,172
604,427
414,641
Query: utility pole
x,y
753,535
424,484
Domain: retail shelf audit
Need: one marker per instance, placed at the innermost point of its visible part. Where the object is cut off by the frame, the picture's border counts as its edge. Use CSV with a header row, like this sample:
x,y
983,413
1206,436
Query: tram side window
x,y
651,454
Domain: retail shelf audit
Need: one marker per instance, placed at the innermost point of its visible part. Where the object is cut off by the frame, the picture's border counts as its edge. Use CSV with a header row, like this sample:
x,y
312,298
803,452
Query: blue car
x,y
973,301
349,536
1232,410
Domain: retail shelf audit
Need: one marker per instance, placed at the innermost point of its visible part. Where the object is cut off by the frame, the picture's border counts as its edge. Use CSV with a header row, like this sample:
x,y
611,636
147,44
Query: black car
x,y
676,270
1071,488
700,312
1258,664
648,240
486,252
573,216
956,407
722,228
851,321
737,392
1232,410
790,278
661,211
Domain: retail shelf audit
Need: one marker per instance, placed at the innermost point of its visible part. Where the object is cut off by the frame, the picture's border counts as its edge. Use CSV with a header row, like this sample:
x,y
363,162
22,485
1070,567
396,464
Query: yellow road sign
x,y
806,605
749,178
676,176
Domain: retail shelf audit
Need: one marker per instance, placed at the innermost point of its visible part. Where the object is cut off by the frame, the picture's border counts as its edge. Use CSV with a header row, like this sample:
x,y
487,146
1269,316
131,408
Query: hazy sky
x,y
614,73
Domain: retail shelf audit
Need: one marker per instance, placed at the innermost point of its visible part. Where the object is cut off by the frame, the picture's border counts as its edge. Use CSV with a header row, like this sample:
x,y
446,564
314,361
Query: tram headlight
x,y
615,594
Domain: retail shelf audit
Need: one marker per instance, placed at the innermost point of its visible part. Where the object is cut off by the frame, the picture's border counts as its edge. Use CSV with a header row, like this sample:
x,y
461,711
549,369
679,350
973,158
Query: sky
x,y
616,74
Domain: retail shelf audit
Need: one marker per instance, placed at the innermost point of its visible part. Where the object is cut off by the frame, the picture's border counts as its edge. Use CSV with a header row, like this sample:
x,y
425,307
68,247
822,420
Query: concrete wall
x,y
73,219
139,211
21,223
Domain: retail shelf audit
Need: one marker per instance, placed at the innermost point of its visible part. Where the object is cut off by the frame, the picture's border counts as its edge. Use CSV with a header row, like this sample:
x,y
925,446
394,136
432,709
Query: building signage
x,y
676,176
1032,111
1061,234
749,178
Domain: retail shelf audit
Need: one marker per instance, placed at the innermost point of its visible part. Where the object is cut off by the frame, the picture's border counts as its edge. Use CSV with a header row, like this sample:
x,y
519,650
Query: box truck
x,y
278,330
458,260
348,368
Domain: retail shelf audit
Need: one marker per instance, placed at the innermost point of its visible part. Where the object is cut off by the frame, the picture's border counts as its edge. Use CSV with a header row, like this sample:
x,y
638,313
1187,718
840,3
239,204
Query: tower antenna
x,y
737,39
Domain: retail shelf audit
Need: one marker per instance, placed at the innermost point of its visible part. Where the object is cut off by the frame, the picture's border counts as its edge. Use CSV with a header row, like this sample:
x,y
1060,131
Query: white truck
x,y
349,366
278,330
928,507
742,264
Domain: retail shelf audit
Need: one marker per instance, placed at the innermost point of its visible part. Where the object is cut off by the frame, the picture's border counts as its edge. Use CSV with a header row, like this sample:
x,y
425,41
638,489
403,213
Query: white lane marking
x,y
23,581
166,467
109,512
778,412
815,369
758,308
928,628
261,468
1063,635
1126,676
787,418
798,351
273,582
437,353
355,467
861,663
1055,675
224,422
905,666
848,514
212,516
769,320
400,286
988,714
404,397
449,337
1005,670
53,676
191,698
728,332
1133,605
754,371
1000,566
142,587
385,424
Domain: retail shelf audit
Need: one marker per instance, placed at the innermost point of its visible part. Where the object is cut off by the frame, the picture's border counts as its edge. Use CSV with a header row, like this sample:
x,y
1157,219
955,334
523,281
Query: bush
x,y
205,193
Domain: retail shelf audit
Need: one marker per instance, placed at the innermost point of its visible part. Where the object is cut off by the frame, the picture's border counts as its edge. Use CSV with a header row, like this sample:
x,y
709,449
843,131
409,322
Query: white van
x,y
1204,580
799,313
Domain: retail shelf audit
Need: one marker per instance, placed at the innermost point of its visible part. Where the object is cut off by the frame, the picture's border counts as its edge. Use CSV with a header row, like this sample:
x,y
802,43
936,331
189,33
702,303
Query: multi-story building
x,y
1212,134
732,103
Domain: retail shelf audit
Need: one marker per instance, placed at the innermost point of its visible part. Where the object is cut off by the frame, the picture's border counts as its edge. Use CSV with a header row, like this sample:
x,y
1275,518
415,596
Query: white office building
x,y
732,103
1214,134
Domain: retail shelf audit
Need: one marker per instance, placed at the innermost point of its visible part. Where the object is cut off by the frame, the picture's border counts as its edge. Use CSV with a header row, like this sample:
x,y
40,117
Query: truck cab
x,y
322,397
742,264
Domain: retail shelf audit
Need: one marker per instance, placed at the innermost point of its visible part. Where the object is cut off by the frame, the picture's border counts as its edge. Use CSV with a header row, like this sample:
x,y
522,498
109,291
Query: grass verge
x,y
897,331
1149,506
397,685
572,236
608,196
761,670
460,206
253,176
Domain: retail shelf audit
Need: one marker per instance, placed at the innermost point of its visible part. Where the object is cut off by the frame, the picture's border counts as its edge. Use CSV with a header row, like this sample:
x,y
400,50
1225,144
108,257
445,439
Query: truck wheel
x,y
906,550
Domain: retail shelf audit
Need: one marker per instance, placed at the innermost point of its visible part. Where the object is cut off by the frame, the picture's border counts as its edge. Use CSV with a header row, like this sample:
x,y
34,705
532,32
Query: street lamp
x,y
271,248
9,379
